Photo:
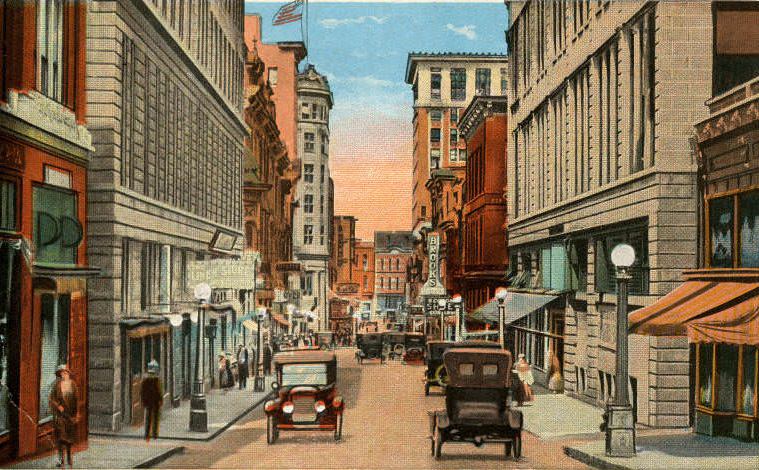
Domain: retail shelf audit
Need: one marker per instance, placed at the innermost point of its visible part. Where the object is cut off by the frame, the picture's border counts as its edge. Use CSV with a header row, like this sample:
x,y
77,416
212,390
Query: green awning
x,y
518,305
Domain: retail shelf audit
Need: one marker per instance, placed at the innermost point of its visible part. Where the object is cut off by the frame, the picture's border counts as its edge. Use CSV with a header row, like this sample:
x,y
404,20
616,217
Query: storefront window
x,y
6,289
7,205
749,380
727,375
705,360
721,230
606,272
57,231
54,312
749,229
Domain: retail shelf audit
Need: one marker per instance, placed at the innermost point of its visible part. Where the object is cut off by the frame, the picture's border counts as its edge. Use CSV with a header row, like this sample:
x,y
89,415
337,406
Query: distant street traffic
x,y
386,426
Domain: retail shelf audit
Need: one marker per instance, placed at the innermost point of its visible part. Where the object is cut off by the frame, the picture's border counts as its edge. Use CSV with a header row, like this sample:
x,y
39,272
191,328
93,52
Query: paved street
x,y
385,427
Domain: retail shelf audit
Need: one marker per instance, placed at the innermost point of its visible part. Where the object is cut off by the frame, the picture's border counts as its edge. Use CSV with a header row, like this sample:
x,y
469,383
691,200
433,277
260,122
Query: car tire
x,y
339,428
272,433
516,446
437,442
399,350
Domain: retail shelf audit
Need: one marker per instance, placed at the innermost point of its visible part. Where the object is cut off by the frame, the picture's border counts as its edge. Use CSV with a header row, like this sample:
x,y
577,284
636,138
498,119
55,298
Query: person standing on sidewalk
x,y
63,402
151,395
242,366
524,370
267,353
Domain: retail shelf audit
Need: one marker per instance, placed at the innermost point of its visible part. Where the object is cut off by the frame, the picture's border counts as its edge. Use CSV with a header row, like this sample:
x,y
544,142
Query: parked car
x,y
324,339
415,346
436,374
306,396
369,346
394,343
477,402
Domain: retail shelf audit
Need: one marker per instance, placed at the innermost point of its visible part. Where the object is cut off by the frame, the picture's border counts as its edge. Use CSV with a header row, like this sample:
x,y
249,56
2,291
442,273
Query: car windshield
x,y
304,374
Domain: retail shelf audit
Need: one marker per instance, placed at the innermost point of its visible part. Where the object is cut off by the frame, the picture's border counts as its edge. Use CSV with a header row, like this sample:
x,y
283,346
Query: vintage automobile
x,y
414,348
394,344
324,339
436,374
477,402
306,397
369,347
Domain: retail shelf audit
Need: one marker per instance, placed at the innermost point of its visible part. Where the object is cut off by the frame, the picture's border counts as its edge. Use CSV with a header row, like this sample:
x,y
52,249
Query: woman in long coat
x,y
63,402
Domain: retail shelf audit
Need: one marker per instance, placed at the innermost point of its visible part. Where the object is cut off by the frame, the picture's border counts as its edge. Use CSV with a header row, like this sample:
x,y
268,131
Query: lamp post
x,y
258,379
501,294
456,300
186,342
441,306
198,413
619,422
211,335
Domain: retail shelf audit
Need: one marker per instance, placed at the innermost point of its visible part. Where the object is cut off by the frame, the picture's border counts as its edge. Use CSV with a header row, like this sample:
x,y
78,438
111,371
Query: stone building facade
x,y
165,93
313,215
443,84
603,96
344,291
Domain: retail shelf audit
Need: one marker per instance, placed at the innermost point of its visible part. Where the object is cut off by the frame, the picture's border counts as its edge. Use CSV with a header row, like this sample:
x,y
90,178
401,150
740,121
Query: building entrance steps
x,y
224,409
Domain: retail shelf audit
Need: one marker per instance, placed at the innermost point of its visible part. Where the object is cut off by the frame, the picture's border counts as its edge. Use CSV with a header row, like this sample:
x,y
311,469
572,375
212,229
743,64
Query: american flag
x,y
288,13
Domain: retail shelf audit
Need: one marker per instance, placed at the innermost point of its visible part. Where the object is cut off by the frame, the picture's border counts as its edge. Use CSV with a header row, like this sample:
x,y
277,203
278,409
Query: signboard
x,y
237,274
223,241
433,286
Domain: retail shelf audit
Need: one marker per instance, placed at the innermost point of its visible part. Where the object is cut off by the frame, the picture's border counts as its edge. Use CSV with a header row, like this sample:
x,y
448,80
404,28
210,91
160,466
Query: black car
x,y
414,347
436,374
394,343
477,403
369,346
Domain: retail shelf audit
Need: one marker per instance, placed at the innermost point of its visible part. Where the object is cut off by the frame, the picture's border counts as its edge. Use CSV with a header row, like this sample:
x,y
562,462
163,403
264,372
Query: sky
x,y
362,48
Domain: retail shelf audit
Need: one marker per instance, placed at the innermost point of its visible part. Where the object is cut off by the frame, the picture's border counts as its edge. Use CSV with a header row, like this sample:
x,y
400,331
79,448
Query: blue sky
x,y
362,48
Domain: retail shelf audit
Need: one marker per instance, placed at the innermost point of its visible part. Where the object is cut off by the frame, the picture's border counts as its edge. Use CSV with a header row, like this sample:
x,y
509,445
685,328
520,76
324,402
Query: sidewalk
x,y
675,451
224,409
110,453
552,416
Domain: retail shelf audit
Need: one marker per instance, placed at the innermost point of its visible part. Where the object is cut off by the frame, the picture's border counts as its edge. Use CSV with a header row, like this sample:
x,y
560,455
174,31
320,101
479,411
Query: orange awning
x,y
280,319
704,311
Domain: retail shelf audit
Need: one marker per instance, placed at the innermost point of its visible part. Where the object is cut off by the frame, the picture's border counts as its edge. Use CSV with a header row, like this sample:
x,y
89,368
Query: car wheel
x,y
399,350
426,389
437,443
339,428
272,433
517,446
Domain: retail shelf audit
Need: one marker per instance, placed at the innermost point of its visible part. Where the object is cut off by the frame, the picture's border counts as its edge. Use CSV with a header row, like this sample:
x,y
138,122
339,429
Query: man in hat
x,y
63,402
242,366
151,395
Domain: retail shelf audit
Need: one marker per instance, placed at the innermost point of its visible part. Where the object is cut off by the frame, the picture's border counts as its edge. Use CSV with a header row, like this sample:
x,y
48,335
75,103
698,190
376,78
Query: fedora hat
x,y
61,368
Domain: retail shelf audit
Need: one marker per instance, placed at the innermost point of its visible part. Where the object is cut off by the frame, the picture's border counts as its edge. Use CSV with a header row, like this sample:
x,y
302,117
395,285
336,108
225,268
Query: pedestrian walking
x,y
555,380
230,377
524,371
267,353
242,366
151,396
63,402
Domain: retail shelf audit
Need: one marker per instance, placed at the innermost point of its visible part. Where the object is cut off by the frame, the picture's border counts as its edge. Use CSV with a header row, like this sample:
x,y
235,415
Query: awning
x,y
518,305
276,317
705,311
250,325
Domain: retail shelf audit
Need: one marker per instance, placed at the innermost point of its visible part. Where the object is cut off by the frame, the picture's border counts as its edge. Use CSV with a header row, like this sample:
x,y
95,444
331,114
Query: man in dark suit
x,y
242,365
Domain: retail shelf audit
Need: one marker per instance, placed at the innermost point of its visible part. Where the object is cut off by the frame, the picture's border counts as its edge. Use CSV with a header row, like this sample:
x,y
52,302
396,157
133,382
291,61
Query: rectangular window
x,y
721,232
322,173
273,76
7,205
309,139
308,234
482,82
578,262
434,161
504,81
308,203
454,135
436,115
454,116
54,313
321,204
727,376
321,234
453,155
605,280
304,111
50,48
435,85
57,231
462,155
748,389
435,135
458,84
308,173
749,229
307,284
8,309
314,111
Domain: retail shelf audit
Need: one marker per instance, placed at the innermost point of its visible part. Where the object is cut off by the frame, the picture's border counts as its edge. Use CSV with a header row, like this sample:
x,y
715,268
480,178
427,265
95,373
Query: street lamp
x,y
198,414
441,306
619,420
501,294
456,300
258,380
211,335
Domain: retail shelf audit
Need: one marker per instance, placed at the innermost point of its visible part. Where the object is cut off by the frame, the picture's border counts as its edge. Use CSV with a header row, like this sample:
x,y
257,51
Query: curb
x,y
213,436
592,460
153,461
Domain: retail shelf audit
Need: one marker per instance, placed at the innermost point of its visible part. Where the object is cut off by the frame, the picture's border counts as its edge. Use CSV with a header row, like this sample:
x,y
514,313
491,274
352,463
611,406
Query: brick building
x,y
344,294
392,254
602,100
44,154
165,86
443,84
485,255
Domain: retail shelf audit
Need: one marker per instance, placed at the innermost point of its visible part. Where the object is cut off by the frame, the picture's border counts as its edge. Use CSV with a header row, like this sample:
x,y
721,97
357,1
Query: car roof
x,y
478,357
304,357
414,334
477,343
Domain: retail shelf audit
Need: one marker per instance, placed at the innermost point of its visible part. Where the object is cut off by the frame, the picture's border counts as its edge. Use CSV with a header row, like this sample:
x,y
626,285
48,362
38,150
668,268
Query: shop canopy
x,y
250,325
518,305
276,317
705,311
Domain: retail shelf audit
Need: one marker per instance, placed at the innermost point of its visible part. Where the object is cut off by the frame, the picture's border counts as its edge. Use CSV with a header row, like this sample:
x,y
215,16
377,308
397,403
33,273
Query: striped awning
x,y
518,305
705,311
